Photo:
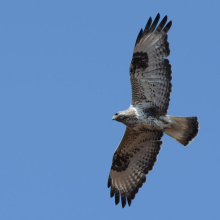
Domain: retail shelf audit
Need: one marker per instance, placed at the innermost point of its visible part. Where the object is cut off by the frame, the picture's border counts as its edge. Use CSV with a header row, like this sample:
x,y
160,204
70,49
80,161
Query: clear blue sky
x,y
64,73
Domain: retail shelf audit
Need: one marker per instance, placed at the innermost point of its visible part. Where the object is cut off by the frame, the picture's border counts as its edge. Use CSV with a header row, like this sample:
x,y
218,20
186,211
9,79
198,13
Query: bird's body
x,y
137,119
146,119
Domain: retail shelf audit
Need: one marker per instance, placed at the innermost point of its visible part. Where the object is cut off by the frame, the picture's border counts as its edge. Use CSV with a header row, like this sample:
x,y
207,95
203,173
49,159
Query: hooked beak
x,y
114,117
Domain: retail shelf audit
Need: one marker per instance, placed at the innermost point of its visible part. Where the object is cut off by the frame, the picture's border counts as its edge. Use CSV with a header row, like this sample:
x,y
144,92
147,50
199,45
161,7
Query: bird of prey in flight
x,y
146,119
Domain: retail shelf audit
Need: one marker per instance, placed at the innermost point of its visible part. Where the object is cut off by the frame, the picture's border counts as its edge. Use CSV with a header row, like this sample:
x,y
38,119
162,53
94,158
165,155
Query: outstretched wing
x,y
150,71
132,160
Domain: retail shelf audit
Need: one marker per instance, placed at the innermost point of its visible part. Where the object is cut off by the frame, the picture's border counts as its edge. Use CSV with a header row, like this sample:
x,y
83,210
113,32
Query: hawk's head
x,y
126,117
119,116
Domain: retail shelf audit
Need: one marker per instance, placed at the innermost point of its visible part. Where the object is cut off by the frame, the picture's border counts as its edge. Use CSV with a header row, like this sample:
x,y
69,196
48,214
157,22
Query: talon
x,y
170,125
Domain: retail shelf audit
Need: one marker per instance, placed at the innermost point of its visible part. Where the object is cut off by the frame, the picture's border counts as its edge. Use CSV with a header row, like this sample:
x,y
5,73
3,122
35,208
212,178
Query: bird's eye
x,y
116,113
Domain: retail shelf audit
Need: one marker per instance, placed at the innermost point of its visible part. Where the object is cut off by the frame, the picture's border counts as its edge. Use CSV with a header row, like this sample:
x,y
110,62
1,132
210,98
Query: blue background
x,y
64,74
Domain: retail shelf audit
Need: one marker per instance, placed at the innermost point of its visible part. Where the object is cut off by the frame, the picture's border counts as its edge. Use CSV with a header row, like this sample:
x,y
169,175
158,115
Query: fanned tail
x,y
184,129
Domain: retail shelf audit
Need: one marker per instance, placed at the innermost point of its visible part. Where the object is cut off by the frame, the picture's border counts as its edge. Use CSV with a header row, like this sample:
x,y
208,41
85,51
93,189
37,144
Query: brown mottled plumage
x,y
147,119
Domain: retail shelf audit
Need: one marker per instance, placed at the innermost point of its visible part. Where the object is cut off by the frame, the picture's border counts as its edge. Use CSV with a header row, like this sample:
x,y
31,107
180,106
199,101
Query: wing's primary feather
x,y
132,160
150,71
153,26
